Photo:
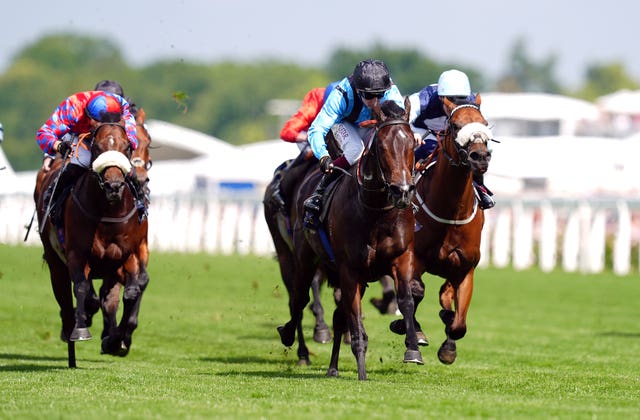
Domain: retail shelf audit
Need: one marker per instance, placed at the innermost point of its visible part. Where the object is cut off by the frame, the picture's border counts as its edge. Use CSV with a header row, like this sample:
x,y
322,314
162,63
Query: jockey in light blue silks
x,y
345,108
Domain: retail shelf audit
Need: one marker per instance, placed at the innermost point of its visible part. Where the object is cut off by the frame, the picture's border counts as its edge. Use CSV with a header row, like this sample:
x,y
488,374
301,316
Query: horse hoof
x,y
332,373
413,356
285,338
321,335
80,334
398,327
304,362
422,339
123,350
447,353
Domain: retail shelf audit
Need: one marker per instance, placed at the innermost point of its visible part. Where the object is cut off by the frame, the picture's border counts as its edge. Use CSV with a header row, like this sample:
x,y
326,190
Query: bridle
x,y
372,151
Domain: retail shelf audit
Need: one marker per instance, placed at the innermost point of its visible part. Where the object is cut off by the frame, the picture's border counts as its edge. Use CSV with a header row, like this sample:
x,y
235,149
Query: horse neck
x,y
371,186
449,187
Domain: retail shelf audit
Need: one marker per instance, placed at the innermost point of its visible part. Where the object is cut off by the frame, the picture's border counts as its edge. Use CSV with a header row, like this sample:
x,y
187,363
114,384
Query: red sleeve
x,y
302,119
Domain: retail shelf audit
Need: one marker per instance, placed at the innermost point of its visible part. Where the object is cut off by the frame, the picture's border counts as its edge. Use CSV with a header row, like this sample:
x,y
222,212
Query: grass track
x,y
538,346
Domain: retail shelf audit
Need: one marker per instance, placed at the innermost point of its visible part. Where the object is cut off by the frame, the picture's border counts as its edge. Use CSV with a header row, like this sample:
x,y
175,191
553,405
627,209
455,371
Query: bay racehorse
x,y
100,237
369,233
449,221
280,222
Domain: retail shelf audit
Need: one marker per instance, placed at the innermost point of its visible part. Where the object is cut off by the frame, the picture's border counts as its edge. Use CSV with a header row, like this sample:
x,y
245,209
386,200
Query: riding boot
x,y
68,178
139,195
313,204
484,194
276,195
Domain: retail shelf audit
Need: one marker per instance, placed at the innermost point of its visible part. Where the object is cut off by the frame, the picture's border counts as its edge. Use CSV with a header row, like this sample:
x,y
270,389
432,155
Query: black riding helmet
x,y
371,75
110,86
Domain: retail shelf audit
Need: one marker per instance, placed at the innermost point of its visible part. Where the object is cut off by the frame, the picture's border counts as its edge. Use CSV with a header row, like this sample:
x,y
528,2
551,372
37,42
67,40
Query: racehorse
x,y
369,233
280,222
449,221
101,237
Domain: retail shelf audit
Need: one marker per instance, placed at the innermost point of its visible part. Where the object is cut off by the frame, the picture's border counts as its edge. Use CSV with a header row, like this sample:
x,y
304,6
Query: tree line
x,y
228,99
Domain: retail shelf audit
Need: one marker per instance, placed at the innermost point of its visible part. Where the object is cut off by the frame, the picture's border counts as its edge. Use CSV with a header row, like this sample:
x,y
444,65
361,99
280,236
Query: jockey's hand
x,y
417,140
46,164
326,164
62,147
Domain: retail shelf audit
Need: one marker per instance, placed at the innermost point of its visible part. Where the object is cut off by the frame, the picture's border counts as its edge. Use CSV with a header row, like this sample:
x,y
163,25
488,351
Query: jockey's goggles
x,y
371,95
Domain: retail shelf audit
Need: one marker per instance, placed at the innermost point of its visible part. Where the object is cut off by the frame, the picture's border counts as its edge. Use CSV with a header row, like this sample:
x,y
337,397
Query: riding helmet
x,y
103,105
454,83
110,86
371,76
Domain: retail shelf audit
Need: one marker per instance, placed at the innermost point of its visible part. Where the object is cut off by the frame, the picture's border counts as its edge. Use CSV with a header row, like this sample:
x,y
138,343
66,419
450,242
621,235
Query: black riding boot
x,y
68,178
484,194
313,204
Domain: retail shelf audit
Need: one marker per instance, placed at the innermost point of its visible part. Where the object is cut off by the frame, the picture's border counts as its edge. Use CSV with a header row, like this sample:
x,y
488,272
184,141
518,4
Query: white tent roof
x,y
621,102
536,106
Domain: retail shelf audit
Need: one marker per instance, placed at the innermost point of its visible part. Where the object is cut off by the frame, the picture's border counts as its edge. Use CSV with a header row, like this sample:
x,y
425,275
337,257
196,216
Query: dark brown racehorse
x,y
280,226
102,238
369,228
449,221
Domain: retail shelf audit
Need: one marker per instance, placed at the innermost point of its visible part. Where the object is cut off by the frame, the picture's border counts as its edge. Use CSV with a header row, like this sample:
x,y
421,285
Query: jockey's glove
x,y
63,147
326,164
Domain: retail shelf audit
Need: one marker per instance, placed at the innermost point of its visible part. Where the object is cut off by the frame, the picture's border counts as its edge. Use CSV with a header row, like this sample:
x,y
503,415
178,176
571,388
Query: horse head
x,y
110,155
467,135
390,154
140,158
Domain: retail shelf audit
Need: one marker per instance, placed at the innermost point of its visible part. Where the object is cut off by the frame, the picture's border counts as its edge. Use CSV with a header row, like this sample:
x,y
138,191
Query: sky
x,y
477,33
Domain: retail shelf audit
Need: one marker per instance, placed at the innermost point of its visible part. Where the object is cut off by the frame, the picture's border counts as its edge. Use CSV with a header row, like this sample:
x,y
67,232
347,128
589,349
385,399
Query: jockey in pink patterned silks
x,y
60,133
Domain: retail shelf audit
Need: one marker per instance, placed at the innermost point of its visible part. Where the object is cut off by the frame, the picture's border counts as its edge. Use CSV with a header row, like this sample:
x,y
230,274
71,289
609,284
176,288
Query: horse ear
x,y
377,112
140,116
478,99
407,108
448,105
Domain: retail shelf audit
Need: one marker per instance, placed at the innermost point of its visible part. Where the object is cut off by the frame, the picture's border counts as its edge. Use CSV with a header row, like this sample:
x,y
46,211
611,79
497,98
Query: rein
x,y
385,187
462,162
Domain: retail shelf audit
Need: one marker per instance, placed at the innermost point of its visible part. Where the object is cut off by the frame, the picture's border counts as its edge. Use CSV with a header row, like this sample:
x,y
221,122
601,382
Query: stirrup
x,y
486,202
312,204
277,200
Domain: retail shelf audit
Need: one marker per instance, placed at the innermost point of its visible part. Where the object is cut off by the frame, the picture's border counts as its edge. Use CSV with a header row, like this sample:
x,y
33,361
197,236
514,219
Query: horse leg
x,y
352,292
339,328
388,304
110,300
300,282
402,273
81,289
321,332
134,288
398,326
455,322
92,304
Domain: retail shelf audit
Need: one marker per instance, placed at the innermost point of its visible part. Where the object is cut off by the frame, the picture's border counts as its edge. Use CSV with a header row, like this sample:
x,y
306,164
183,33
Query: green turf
x,y
538,346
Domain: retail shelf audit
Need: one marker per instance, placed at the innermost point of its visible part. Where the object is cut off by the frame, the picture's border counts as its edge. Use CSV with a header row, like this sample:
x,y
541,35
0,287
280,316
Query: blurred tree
x,y
527,75
602,79
410,70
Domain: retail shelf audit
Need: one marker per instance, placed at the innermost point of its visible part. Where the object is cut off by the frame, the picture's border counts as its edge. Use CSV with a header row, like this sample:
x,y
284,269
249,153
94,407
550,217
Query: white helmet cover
x,y
453,83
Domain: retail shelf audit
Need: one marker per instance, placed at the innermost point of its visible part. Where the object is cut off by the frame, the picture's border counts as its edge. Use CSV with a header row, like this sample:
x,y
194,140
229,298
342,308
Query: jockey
x,y
346,107
295,131
112,86
428,117
73,117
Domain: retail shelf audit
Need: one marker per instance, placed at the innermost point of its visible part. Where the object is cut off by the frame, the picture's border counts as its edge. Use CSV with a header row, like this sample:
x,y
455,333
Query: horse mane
x,y
111,117
391,109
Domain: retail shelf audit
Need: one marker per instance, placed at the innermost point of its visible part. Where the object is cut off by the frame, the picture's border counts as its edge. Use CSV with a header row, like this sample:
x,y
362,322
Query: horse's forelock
x,y
391,109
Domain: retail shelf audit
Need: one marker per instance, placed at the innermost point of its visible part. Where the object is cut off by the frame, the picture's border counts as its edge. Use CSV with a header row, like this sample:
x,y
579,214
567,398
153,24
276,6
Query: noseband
x,y
462,150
